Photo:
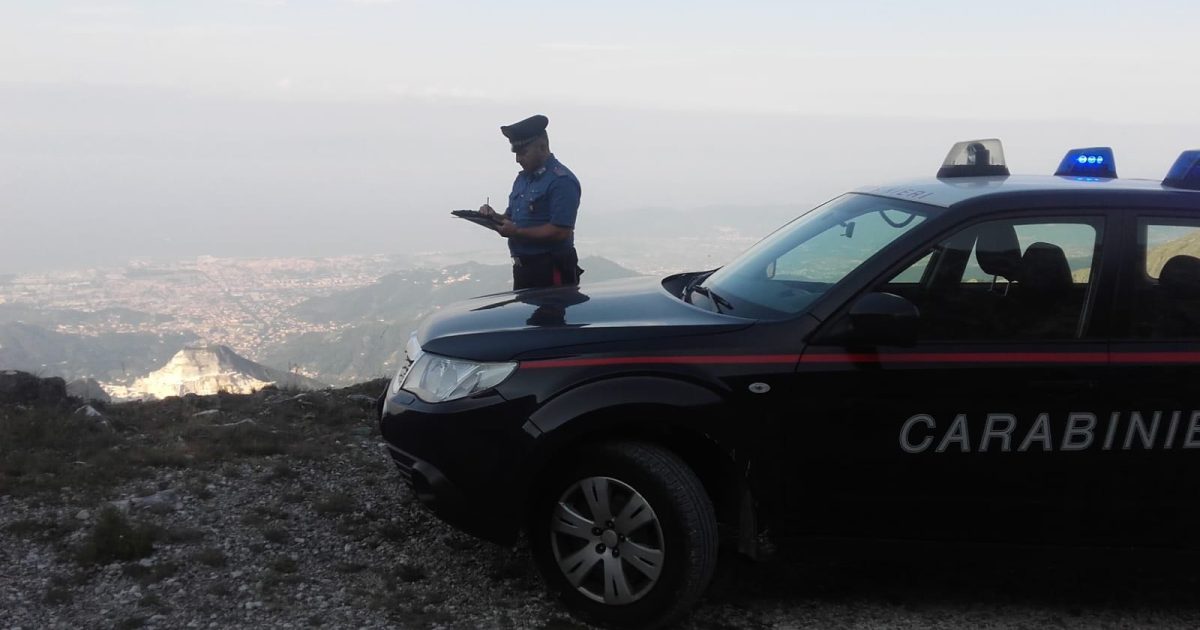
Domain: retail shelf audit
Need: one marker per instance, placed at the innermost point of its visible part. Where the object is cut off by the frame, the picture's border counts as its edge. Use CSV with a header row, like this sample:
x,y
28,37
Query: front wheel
x,y
626,534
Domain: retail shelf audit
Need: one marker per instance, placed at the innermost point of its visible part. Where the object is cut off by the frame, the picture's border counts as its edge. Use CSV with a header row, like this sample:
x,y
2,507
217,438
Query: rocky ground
x,y
280,510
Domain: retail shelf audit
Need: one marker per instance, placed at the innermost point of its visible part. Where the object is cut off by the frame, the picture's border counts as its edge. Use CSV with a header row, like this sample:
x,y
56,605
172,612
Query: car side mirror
x,y
884,319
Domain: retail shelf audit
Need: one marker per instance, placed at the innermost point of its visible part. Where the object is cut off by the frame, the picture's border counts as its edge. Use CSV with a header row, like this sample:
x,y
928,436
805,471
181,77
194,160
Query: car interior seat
x,y
1178,309
998,253
1047,303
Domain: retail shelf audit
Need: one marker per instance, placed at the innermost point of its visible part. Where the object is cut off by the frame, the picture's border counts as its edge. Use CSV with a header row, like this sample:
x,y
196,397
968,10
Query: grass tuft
x,y
277,535
114,538
210,557
284,565
334,504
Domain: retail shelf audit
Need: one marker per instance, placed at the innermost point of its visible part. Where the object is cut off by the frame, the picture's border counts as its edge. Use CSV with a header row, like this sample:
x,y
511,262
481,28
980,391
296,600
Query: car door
x,y
1155,455
990,420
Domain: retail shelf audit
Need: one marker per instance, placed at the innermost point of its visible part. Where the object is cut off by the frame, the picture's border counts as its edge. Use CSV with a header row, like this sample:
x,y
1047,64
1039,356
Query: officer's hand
x,y
507,228
487,211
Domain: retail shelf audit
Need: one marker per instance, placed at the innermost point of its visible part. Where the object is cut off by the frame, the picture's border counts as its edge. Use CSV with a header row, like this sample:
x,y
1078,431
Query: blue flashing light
x,y
1092,163
1185,173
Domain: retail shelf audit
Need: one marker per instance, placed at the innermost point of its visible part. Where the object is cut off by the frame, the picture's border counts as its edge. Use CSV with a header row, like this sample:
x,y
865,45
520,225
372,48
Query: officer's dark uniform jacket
x,y
548,195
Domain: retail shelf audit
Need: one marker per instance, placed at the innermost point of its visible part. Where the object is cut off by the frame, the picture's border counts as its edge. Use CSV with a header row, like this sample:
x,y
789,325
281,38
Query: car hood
x,y
507,326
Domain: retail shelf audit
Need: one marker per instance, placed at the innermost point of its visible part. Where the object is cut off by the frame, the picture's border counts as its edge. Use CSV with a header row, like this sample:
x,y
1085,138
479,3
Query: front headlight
x,y
437,379
412,352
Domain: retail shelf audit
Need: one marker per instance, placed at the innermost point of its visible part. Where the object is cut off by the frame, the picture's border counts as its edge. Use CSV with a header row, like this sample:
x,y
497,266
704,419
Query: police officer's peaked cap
x,y
522,133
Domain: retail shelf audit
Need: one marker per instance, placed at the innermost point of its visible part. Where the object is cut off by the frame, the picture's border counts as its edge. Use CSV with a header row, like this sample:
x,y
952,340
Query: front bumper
x,y
465,460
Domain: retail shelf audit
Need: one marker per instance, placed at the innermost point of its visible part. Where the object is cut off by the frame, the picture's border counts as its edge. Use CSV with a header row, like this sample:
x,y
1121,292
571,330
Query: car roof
x,y
955,192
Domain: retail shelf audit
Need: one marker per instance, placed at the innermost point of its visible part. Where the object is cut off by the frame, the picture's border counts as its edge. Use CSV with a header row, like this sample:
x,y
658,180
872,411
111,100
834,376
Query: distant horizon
x,y
487,249
98,198
285,128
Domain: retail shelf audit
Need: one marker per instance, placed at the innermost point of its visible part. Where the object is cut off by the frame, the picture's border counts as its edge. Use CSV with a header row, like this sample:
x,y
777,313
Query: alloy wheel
x,y
607,540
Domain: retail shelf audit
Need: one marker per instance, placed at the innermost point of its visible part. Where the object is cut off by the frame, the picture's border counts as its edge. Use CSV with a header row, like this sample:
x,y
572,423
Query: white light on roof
x,y
974,158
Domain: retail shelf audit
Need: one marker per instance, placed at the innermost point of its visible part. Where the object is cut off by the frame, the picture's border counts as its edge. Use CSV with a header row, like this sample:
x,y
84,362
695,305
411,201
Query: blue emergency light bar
x,y
1186,171
1091,162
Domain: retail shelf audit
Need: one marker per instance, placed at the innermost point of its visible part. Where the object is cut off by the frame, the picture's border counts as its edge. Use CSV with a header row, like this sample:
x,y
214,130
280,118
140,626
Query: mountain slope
x,y
384,314
213,368
410,293
1156,257
106,357
56,317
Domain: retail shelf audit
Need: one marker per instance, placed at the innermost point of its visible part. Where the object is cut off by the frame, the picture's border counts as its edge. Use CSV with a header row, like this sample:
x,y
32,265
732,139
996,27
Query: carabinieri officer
x,y
540,220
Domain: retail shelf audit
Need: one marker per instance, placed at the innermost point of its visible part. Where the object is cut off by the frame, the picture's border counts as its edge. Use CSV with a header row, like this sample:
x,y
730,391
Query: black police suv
x,y
974,356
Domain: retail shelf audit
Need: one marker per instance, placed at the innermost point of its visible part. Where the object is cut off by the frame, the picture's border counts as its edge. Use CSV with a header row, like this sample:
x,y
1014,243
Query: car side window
x,y
1166,285
1006,279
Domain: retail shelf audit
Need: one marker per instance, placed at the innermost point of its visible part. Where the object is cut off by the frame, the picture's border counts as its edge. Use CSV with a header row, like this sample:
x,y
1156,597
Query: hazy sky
x,y
244,127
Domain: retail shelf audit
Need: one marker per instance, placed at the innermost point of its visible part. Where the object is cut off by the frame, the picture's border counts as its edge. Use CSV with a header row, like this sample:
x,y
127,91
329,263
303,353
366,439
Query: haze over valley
x,y
333,321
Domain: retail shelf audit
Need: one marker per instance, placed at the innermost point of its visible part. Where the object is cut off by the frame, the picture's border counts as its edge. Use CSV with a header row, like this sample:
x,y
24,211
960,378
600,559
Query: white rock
x,y
167,498
234,424
209,369
82,515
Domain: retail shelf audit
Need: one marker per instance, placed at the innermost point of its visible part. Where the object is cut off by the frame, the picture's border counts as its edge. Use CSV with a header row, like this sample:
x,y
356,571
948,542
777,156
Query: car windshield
x,y
785,272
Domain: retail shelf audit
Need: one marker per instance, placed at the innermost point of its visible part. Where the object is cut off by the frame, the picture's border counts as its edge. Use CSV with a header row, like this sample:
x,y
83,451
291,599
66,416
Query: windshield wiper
x,y
691,284
717,300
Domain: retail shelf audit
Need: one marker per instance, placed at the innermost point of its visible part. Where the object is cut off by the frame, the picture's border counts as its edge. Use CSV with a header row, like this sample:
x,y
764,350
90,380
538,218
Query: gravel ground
x,y
283,542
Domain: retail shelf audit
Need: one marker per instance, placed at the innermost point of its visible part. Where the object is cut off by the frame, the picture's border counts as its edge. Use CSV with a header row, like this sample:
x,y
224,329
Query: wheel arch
x,y
677,415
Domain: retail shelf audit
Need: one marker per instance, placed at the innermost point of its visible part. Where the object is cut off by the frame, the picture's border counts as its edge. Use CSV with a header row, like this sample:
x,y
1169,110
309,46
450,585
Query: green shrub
x,y
277,535
114,538
334,503
284,565
210,556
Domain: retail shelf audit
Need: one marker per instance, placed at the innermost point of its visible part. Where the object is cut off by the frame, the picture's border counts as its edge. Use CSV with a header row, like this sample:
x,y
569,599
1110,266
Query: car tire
x,y
626,535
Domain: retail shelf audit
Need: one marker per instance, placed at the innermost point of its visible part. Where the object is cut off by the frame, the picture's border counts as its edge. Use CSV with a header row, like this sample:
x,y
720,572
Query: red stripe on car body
x,y
866,357
958,357
726,359
1156,357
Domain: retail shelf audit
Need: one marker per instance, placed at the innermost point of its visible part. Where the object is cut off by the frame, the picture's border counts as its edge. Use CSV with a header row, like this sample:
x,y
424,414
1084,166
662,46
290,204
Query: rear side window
x,y
1005,280
1166,287
1161,242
